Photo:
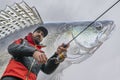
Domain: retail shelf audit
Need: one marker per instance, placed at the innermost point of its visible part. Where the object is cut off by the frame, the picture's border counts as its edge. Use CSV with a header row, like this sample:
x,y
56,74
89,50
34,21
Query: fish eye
x,y
99,27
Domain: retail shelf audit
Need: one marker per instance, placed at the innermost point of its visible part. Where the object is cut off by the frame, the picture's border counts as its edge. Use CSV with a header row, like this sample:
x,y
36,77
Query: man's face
x,y
38,36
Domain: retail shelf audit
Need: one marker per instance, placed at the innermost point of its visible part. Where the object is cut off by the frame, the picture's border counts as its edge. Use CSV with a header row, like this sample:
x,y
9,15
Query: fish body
x,y
81,48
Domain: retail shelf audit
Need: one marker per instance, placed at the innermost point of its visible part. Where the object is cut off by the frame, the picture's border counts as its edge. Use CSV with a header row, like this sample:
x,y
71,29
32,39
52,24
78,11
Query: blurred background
x,y
105,63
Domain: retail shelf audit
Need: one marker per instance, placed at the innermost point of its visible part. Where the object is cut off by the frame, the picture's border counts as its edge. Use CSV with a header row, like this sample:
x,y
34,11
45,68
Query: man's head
x,y
39,33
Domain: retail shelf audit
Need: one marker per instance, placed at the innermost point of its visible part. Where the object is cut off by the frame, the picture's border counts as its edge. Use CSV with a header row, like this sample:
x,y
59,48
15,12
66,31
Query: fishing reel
x,y
60,58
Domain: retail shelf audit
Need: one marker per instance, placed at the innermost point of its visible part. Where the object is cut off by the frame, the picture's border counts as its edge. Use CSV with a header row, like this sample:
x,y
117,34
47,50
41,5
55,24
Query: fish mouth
x,y
106,32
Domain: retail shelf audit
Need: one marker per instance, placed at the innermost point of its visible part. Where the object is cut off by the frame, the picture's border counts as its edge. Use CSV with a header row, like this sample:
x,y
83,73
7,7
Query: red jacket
x,y
22,51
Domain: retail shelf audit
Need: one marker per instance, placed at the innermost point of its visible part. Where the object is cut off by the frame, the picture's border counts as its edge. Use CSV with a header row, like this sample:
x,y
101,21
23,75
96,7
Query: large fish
x,y
20,19
81,48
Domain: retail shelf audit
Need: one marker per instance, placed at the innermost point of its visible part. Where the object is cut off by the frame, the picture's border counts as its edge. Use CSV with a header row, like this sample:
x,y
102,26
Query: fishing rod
x,y
94,21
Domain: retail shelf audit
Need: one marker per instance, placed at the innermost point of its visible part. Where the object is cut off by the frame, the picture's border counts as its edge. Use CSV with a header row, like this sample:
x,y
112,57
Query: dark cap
x,y
45,31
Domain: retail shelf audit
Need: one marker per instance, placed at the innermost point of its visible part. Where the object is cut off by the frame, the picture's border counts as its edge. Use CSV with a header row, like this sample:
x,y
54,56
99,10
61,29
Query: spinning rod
x,y
94,21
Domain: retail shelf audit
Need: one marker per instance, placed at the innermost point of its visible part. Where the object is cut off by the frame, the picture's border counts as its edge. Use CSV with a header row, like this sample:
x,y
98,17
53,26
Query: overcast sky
x,y
105,63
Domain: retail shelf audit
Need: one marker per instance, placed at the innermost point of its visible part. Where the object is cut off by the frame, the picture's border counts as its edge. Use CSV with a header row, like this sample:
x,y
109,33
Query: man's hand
x,y
61,51
40,57
62,48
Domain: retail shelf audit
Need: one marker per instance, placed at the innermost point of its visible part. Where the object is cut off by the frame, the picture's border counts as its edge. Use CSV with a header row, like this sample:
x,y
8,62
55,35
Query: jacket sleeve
x,y
51,65
20,48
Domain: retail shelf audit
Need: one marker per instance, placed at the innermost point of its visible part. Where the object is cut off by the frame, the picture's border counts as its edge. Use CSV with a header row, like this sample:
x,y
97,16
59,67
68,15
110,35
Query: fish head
x,y
88,39
93,35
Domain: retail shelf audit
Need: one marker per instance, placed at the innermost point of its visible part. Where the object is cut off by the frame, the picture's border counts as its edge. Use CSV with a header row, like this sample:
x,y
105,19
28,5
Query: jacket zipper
x,y
27,76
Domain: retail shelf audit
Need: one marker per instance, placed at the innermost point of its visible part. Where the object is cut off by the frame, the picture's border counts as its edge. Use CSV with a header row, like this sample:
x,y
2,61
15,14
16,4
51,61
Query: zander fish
x,y
81,48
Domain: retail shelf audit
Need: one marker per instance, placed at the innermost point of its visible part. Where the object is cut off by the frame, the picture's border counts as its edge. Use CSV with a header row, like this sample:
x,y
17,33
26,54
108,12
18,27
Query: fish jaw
x,y
106,33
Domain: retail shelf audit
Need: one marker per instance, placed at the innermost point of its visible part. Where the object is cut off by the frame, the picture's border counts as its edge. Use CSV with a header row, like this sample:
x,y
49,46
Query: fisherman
x,y
28,58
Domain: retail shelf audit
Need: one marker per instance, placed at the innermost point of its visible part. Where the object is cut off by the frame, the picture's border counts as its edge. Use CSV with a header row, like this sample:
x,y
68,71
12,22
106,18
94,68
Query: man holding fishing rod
x,y
28,58
23,66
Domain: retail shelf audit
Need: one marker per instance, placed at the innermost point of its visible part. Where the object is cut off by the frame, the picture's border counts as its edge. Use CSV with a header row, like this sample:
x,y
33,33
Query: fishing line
x,y
94,21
